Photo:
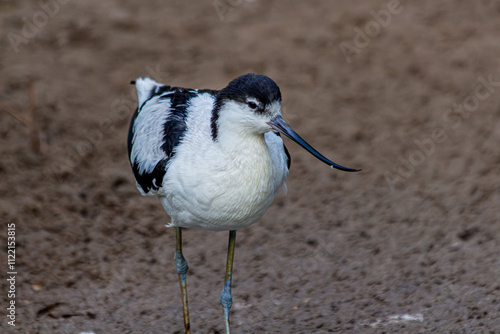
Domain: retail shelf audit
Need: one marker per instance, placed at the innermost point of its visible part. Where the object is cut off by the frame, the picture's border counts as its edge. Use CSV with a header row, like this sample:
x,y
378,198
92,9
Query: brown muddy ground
x,y
409,245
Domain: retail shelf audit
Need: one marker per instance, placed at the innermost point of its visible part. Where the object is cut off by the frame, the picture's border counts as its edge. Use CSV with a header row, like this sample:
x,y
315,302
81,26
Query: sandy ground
x,y
409,91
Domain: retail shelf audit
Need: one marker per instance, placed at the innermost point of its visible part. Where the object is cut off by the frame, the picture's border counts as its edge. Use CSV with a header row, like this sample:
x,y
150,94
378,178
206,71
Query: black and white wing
x,y
156,129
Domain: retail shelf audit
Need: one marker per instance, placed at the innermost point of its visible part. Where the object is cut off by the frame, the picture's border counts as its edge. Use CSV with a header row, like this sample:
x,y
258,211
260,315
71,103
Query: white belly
x,y
220,191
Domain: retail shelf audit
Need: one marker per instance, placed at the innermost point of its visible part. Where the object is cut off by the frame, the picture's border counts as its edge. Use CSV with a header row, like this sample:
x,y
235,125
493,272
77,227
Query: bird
x,y
215,159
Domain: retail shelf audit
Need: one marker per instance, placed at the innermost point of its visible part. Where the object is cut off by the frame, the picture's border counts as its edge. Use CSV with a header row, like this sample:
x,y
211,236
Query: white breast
x,y
208,187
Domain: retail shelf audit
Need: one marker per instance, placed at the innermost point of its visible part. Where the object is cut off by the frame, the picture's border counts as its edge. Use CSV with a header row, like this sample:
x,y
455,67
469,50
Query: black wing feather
x,y
174,130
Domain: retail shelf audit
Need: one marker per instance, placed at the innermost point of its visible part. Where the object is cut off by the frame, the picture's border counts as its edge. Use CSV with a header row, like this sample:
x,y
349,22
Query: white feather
x,y
222,185
145,87
148,138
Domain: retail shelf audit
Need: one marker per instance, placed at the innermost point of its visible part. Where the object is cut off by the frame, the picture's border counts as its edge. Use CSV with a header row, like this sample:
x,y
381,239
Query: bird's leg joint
x,y
226,298
180,264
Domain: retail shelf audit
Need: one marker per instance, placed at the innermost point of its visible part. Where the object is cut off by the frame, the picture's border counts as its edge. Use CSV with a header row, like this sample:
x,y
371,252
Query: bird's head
x,y
248,103
251,104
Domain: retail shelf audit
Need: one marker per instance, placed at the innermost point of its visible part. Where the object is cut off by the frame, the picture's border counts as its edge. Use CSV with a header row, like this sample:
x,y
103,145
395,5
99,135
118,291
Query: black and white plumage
x,y
214,158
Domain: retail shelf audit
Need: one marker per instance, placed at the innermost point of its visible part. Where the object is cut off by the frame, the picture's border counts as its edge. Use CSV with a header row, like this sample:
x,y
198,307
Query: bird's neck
x,y
239,142
247,157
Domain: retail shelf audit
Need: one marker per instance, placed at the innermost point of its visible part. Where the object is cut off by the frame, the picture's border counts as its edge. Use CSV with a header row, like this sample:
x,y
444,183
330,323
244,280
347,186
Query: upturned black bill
x,y
279,124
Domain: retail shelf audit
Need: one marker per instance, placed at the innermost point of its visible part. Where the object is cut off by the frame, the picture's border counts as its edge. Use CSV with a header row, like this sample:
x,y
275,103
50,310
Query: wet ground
x,y
409,91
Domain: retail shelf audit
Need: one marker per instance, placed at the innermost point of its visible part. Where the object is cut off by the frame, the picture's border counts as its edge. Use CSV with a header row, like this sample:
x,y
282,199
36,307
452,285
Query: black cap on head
x,y
248,85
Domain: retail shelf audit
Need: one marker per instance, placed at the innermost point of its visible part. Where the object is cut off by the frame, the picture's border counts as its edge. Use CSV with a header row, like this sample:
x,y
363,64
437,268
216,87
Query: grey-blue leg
x,y
182,267
226,298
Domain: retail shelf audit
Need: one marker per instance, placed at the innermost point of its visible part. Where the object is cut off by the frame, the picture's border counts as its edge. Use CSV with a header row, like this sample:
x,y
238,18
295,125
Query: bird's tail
x,y
146,87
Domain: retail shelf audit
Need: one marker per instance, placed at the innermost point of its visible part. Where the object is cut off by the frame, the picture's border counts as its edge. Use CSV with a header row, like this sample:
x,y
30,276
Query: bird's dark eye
x,y
252,105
